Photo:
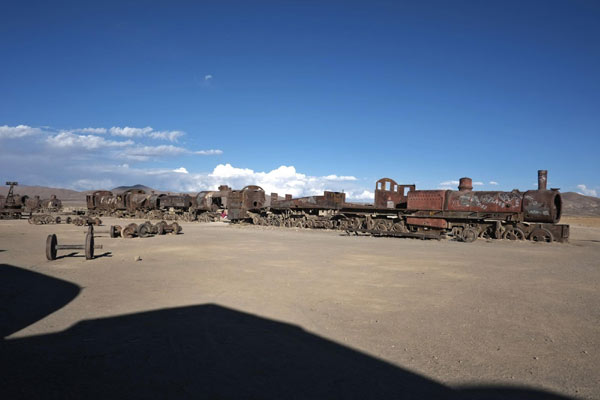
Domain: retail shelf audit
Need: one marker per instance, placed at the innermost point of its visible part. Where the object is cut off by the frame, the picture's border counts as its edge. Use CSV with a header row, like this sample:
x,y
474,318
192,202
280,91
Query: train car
x,y
246,203
515,215
402,210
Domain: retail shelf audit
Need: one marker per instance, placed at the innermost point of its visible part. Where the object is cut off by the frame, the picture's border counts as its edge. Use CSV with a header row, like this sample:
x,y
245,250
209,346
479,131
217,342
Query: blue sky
x,y
341,93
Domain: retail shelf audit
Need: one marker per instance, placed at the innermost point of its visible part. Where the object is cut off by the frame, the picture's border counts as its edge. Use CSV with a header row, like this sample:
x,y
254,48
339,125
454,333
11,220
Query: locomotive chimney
x,y
542,179
465,184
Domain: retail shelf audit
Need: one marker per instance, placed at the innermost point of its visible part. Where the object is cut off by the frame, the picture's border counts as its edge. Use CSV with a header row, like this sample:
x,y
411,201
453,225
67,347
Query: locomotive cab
x,y
388,194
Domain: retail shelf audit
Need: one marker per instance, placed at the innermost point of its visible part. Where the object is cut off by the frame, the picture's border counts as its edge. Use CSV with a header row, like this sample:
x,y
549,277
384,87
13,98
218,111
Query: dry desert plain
x,y
238,311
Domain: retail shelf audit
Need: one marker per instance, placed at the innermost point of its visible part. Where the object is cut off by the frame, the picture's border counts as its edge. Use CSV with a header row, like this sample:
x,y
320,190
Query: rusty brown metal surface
x,y
542,206
388,194
439,223
507,202
329,200
426,200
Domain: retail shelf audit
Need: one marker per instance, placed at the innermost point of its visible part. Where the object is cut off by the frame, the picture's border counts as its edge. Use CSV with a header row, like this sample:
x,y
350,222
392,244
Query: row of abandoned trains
x,y
398,210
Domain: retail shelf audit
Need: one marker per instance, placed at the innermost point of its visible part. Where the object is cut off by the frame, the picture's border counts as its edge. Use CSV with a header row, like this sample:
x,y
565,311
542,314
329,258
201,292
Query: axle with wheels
x,y
114,231
52,246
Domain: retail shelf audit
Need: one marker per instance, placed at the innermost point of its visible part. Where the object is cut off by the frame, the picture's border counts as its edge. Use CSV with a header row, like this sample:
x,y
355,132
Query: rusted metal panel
x,y
329,200
388,194
426,200
542,206
509,202
430,222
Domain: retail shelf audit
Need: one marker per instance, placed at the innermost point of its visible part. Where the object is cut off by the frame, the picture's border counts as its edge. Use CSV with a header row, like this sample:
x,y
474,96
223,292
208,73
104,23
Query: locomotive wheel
x,y
160,227
175,228
57,220
51,243
68,220
129,231
89,246
380,226
398,227
485,234
144,230
541,235
513,234
469,235
114,231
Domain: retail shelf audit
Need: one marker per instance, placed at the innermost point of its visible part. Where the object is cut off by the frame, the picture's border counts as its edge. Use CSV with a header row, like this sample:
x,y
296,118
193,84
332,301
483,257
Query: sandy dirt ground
x,y
268,312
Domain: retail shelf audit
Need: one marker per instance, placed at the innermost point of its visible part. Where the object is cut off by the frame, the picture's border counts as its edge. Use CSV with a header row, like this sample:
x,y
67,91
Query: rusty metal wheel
x,y
469,235
160,227
175,228
486,234
129,231
145,229
398,227
380,226
513,234
541,235
89,246
51,243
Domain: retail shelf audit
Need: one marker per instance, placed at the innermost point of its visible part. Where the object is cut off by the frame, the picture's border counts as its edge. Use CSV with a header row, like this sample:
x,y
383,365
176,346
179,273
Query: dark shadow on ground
x,y
205,352
27,296
76,254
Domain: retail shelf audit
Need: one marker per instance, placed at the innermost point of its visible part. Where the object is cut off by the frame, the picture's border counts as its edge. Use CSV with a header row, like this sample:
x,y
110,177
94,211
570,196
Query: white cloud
x,y
208,77
89,142
449,183
97,131
143,153
181,170
286,180
166,135
208,152
130,132
493,183
364,196
477,183
19,131
587,192
339,178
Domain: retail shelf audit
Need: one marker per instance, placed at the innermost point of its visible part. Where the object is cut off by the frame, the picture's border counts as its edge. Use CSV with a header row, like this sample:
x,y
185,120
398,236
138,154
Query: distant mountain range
x,y
575,204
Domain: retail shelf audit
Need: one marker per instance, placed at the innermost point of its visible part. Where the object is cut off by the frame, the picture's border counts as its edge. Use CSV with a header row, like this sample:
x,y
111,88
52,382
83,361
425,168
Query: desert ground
x,y
238,311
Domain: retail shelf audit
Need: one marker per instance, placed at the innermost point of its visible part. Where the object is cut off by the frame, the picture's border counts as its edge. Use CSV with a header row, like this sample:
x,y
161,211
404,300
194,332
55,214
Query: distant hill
x,y
578,205
45,192
147,189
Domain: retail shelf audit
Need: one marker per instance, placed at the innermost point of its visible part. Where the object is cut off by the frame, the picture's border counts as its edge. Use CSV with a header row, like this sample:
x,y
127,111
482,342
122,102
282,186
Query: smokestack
x,y
542,179
465,184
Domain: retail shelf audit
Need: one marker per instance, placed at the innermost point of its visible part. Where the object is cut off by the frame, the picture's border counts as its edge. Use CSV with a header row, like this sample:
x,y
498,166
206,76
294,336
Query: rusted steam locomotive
x,y
401,210
139,204
14,205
